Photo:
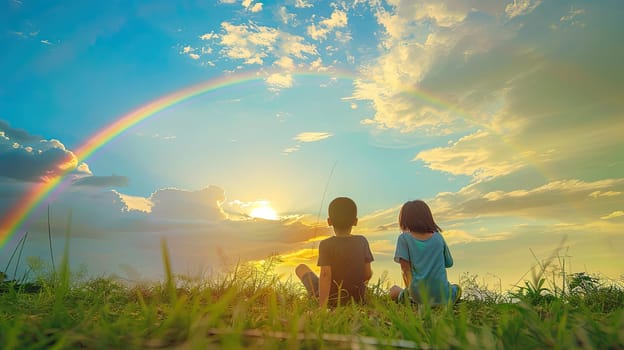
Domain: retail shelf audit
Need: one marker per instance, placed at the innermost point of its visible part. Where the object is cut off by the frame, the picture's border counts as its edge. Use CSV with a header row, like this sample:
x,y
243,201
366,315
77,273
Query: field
x,y
251,307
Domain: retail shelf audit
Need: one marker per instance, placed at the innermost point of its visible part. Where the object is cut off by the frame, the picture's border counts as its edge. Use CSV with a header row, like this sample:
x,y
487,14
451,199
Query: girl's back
x,y
429,258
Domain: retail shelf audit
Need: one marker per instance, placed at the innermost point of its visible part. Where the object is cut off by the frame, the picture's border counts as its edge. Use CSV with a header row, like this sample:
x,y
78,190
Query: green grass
x,y
251,307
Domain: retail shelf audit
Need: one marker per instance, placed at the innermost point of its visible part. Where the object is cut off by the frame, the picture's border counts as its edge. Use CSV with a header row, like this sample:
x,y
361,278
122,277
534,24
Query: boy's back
x,y
347,257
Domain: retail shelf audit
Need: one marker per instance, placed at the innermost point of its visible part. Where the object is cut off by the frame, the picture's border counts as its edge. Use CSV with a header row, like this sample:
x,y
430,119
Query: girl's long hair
x,y
415,216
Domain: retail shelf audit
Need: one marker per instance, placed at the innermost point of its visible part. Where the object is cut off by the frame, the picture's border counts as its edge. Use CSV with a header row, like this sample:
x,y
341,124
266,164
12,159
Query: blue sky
x,y
506,117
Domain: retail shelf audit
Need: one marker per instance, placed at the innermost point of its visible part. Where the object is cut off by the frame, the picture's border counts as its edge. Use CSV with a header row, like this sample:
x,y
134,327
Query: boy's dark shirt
x,y
346,255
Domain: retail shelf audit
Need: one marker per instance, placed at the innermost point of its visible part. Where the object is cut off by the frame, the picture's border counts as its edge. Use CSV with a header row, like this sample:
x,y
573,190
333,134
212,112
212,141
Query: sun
x,y
263,212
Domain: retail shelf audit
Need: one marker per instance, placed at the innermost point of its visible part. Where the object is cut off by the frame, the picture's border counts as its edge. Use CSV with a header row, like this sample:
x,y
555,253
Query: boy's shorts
x,y
456,293
311,282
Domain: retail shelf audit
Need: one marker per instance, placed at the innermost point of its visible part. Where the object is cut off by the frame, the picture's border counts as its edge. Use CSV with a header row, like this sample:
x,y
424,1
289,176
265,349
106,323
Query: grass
x,y
251,307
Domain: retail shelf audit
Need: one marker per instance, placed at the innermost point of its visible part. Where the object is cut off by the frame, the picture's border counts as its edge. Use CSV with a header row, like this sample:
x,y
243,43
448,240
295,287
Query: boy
x,y
344,259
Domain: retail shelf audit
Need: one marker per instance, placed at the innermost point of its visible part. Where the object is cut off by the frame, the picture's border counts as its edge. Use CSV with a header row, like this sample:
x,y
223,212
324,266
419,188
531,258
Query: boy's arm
x,y
325,281
406,271
368,272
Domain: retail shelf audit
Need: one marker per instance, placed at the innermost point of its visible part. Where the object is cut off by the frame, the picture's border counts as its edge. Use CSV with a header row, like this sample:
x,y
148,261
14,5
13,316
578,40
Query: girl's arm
x,y
325,281
448,259
406,271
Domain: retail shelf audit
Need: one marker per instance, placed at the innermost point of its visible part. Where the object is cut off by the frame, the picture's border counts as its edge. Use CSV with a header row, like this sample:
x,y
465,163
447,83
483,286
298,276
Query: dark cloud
x,y
18,135
21,164
102,181
26,157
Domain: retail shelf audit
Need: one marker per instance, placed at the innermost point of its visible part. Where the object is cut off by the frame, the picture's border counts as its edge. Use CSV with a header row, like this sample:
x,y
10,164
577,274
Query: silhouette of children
x,y
424,257
345,260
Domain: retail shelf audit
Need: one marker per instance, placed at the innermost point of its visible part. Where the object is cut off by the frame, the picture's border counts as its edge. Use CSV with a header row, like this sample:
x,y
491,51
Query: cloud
x,y
29,158
303,4
338,19
480,155
208,36
171,203
83,168
306,137
250,43
102,181
254,44
572,16
524,102
285,63
563,200
613,215
521,7
382,247
292,149
194,56
257,7
279,81
137,203
597,194
286,17
312,136
198,231
17,135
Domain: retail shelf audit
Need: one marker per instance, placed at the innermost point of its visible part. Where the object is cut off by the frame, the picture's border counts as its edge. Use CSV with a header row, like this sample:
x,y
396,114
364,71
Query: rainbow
x,y
12,220
17,215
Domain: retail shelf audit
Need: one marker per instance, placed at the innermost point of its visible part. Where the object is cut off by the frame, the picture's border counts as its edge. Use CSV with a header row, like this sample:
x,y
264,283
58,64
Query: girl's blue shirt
x,y
428,260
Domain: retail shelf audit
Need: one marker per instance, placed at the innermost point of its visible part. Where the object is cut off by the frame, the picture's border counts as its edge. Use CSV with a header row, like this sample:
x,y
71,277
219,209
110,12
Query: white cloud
x,y
303,3
290,150
254,44
194,56
279,81
286,63
521,7
597,194
295,46
285,16
257,7
480,155
312,136
248,42
338,19
209,36
84,168
249,5
136,203
613,215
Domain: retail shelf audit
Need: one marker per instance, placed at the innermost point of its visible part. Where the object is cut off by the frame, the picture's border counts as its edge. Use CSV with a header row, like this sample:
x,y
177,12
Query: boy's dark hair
x,y
342,212
416,216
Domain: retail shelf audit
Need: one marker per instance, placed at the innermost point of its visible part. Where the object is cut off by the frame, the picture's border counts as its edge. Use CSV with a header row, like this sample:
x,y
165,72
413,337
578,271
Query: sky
x,y
248,117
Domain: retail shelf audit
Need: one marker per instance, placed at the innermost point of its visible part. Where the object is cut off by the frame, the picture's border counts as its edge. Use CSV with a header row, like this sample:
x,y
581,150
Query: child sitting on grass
x,y
424,257
345,260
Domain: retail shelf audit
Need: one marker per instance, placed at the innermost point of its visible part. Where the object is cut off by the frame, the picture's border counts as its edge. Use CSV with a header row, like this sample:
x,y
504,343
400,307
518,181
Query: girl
x,y
424,257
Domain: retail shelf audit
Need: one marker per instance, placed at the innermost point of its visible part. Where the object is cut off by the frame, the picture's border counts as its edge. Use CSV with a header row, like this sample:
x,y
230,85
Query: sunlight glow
x,y
264,212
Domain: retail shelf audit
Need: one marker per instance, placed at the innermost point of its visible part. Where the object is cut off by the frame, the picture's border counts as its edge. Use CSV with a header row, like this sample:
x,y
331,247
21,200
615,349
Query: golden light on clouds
x,y
264,212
